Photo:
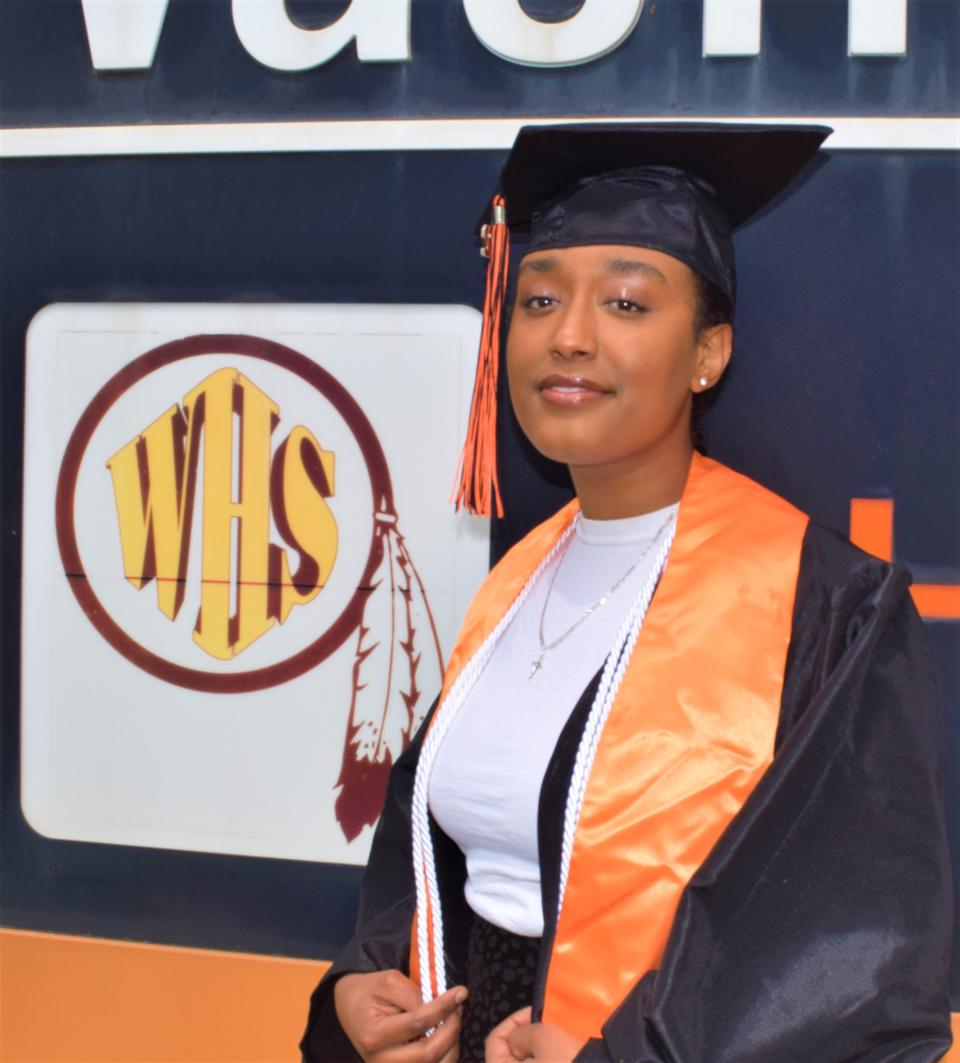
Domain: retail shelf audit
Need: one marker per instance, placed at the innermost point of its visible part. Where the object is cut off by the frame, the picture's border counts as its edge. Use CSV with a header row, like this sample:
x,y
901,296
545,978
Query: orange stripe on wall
x,y
937,601
871,528
85,1000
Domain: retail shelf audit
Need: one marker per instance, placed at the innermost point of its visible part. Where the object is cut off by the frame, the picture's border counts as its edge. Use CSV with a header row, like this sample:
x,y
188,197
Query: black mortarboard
x,y
680,188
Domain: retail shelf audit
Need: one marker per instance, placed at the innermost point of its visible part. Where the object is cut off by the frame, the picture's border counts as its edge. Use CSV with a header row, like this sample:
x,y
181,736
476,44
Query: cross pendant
x,y
537,665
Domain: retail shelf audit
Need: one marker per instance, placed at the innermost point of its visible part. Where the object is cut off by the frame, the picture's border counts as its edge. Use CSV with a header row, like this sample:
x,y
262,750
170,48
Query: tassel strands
x,y
478,488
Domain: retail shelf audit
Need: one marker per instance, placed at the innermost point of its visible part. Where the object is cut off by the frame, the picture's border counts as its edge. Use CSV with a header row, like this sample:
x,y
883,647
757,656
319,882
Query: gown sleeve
x,y
819,928
387,904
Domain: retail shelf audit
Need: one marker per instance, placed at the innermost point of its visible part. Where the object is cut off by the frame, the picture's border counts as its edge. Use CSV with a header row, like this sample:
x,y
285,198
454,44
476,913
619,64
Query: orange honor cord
x,y
423,979
478,488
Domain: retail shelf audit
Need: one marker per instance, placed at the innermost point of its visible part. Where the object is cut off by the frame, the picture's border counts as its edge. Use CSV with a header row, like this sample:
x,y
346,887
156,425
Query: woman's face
x,y
603,356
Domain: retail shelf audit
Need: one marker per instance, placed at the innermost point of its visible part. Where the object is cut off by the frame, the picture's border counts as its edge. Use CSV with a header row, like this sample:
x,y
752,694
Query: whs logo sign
x,y
240,566
246,585
226,521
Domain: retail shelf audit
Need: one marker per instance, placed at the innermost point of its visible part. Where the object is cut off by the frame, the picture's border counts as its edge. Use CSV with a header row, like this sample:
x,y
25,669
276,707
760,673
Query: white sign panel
x,y
241,570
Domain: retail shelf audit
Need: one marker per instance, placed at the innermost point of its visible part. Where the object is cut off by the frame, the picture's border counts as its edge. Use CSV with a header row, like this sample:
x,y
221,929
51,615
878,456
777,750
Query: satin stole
x,y
690,732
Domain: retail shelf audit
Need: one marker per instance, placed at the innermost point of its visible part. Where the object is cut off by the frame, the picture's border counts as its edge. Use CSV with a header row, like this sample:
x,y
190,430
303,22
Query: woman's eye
x,y
627,306
538,302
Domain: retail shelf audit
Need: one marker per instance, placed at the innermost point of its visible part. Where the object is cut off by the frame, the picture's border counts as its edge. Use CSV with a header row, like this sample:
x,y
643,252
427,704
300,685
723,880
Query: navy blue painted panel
x,y
203,73
857,321
847,383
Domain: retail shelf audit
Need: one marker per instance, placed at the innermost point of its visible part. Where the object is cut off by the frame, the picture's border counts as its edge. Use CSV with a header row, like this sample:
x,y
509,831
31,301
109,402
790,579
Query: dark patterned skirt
x,y
501,969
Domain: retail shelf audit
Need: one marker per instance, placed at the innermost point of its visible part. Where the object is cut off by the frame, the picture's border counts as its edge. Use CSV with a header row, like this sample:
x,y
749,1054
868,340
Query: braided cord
x,y
613,673
433,977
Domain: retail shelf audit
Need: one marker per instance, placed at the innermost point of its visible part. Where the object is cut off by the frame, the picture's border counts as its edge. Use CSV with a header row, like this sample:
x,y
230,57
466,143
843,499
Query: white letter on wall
x,y
597,28
731,27
123,35
381,27
877,27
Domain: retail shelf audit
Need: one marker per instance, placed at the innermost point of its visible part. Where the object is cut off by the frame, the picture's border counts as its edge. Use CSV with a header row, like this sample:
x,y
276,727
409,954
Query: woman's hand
x,y
517,1038
382,1015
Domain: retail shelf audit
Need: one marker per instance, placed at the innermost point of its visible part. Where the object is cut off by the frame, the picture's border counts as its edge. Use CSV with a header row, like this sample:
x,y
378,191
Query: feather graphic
x,y
398,656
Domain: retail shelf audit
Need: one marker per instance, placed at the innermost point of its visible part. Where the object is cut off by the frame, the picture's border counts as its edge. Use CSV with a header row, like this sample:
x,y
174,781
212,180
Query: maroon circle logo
x,y
297,460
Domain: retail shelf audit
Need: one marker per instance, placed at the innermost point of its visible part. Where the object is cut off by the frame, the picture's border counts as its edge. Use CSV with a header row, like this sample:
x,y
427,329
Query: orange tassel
x,y
478,487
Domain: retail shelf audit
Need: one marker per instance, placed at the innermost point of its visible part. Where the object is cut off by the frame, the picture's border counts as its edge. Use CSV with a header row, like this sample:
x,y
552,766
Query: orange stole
x,y
689,735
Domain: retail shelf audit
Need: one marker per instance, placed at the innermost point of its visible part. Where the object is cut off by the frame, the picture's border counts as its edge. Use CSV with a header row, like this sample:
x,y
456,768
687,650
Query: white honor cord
x,y
433,976
613,673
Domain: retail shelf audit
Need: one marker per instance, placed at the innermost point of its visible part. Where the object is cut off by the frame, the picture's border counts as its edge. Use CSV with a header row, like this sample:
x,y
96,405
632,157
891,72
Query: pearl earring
x,y
704,381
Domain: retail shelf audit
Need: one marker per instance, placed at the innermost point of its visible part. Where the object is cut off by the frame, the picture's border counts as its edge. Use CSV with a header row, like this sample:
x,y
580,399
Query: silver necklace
x,y
545,646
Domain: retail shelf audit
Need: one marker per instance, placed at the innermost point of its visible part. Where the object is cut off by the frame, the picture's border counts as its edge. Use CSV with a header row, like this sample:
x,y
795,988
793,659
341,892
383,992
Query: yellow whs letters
x,y
302,481
153,483
246,583
224,393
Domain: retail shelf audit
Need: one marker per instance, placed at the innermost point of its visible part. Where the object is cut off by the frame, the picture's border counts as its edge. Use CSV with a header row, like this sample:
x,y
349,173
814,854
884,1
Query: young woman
x,y
679,798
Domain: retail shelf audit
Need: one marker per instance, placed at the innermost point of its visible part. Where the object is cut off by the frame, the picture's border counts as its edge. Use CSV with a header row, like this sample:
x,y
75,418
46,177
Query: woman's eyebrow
x,y
630,265
538,265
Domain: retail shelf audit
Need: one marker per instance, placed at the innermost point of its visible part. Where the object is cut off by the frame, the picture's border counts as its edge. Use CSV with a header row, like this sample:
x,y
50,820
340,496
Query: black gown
x,y
818,929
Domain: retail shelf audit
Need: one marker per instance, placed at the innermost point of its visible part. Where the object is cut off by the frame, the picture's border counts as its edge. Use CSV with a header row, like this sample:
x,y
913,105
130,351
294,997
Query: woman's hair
x,y
712,307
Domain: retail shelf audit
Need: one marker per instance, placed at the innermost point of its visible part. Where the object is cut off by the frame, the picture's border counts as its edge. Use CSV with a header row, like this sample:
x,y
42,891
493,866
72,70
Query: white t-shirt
x,y
485,785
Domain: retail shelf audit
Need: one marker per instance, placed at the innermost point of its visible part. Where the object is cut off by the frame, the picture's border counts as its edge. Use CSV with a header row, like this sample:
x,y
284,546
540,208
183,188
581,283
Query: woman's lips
x,y
571,390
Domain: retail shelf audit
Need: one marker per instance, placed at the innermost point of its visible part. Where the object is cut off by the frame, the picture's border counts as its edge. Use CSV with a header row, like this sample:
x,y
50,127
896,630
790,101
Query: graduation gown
x,y
818,928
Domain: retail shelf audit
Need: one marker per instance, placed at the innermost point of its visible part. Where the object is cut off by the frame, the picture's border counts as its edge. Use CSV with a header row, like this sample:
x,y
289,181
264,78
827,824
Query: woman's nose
x,y
575,332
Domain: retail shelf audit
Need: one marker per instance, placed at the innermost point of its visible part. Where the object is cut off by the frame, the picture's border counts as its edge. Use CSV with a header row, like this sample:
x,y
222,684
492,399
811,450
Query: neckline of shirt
x,y
624,529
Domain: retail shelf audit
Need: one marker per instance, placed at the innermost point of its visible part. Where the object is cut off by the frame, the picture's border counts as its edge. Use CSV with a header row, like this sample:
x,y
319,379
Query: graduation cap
x,y
679,188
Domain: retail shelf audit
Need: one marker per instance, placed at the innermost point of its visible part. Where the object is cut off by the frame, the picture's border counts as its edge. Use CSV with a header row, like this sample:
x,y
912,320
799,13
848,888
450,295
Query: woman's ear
x,y
714,349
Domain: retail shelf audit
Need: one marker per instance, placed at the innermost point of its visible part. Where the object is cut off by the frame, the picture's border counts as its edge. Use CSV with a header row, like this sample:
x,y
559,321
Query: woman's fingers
x,y
396,990
497,1047
442,1046
511,1022
523,1042
543,1043
413,1025
383,1017
453,1054
416,1022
